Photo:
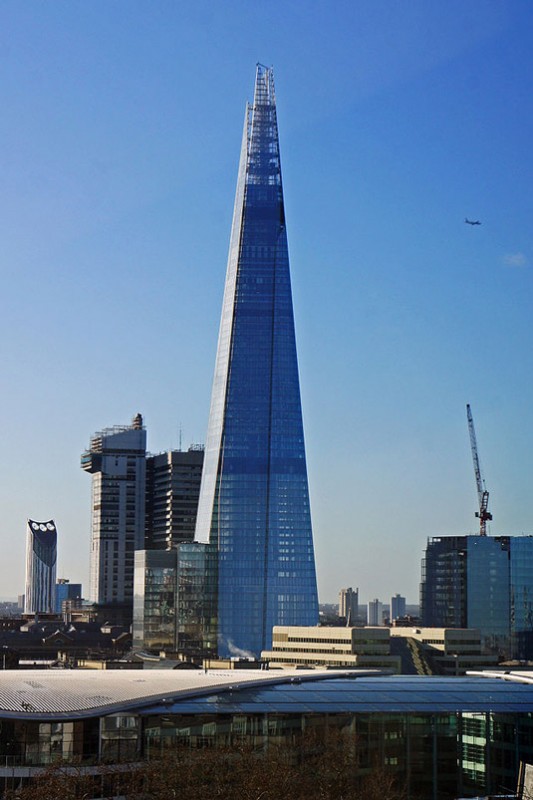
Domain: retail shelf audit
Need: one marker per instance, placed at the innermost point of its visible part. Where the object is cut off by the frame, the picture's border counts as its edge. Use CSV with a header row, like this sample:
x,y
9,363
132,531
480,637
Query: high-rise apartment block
x,y
349,605
116,458
397,607
375,612
41,559
481,582
254,500
172,490
139,502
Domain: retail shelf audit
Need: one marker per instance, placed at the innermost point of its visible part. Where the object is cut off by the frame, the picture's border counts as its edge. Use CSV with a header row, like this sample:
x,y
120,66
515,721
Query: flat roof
x,y
71,694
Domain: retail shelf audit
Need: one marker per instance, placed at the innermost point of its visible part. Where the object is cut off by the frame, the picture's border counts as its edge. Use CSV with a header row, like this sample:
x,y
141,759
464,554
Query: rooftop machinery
x,y
483,514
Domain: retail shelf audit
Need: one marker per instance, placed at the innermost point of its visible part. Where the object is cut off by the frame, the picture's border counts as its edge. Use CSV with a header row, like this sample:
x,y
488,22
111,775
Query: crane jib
x,y
483,496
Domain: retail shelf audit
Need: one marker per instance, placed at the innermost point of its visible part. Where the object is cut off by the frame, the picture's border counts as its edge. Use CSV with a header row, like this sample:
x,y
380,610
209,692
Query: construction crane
x,y
483,514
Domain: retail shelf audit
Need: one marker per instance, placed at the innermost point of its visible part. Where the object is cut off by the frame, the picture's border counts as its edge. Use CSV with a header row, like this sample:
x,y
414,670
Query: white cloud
x,y
515,260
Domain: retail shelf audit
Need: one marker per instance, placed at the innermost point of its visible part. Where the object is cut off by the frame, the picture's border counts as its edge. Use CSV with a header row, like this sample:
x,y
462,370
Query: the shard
x,y
254,499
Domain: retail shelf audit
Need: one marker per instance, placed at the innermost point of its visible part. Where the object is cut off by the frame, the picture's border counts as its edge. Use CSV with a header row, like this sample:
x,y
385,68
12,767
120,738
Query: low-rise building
x,y
332,647
451,651
433,736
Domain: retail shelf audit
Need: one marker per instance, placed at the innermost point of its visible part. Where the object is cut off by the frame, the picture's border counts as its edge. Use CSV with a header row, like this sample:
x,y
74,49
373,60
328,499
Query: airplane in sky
x,y
472,221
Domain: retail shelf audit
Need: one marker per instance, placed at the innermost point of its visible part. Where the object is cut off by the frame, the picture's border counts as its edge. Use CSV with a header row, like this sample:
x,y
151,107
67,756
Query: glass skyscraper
x,y
482,582
254,500
522,597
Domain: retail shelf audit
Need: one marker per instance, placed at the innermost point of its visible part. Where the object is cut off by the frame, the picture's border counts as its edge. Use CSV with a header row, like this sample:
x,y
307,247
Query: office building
x,y
65,590
521,597
443,651
41,559
397,607
375,612
481,582
349,605
154,600
254,499
116,459
197,596
172,490
324,646
175,598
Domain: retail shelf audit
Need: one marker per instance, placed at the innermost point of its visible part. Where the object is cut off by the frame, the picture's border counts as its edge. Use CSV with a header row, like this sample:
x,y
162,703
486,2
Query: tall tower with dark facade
x,y
41,559
254,500
172,489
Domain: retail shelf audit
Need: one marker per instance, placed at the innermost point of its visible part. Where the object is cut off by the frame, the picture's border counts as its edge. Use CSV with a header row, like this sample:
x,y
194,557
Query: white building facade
x,y
116,458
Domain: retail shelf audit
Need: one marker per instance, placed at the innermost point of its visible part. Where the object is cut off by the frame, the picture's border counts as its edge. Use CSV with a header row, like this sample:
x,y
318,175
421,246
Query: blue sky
x,y
119,143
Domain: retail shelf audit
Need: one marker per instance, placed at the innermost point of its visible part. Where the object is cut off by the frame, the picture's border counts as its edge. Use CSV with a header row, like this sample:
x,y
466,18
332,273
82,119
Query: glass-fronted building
x,y
154,600
196,610
488,590
65,590
175,599
522,597
443,584
439,738
483,582
254,499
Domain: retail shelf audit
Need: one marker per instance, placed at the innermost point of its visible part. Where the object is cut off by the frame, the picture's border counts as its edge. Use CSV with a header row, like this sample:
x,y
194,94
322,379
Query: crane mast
x,y
483,514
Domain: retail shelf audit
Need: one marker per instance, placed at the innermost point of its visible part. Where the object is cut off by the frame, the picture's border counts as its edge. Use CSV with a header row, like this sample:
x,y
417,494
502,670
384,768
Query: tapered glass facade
x,y
254,500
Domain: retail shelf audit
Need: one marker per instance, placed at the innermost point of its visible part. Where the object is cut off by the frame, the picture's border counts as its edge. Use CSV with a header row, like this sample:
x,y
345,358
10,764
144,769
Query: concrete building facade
x,y
332,647
349,605
172,490
116,459
397,607
450,651
375,612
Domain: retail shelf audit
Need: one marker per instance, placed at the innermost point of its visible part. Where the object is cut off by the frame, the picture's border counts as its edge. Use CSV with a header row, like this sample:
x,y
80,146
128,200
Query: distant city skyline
x,y
398,121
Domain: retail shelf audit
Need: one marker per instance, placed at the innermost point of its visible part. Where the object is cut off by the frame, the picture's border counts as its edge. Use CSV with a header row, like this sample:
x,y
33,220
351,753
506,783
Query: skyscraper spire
x,y
254,501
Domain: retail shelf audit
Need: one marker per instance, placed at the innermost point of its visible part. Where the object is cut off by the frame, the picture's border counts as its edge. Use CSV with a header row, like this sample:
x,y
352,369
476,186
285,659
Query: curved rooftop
x,y
58,693
78,693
